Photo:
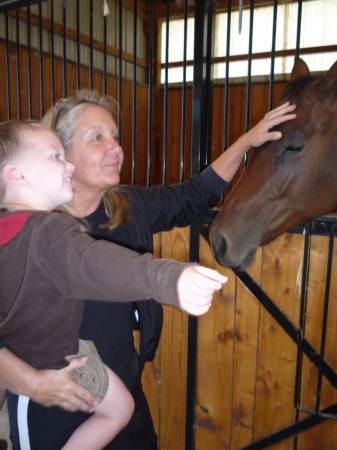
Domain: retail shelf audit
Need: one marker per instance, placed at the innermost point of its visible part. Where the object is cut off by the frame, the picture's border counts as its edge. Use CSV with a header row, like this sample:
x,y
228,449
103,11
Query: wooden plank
x,y
277,353
216,336
173,354
247,315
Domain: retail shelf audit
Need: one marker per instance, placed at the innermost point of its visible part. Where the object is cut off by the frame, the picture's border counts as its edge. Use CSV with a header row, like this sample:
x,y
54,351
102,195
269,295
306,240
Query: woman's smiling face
x,y
96,152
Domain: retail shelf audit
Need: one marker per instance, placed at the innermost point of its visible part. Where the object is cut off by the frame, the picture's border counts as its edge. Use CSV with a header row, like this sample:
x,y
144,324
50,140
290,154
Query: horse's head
x,y
286,182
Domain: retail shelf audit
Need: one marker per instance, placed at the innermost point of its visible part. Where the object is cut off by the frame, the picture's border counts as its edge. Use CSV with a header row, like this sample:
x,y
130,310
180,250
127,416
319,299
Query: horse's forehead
x,y
318,96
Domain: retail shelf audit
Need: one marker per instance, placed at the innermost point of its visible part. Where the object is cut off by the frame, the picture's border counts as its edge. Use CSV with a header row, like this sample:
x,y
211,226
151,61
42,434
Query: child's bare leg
x,y
109,418
2,396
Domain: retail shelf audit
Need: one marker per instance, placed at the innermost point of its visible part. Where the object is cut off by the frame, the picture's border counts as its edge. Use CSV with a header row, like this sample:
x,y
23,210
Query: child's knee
x,y
127,409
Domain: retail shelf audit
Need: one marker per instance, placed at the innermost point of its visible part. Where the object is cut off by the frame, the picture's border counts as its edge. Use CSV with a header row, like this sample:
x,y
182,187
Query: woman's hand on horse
x,y
261,134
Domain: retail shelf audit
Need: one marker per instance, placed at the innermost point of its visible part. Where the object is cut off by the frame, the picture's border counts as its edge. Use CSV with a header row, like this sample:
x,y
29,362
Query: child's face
x,y
45,169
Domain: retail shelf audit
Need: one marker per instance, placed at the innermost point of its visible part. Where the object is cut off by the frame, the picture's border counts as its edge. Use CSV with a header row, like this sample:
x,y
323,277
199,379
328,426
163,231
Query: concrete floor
x,y
4,427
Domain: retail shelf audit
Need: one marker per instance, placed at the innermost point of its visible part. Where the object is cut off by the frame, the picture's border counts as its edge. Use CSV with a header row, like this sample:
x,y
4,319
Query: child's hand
x,y
196,287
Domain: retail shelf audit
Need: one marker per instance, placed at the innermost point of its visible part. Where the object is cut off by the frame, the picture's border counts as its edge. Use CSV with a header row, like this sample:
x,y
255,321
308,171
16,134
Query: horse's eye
x,y
294,148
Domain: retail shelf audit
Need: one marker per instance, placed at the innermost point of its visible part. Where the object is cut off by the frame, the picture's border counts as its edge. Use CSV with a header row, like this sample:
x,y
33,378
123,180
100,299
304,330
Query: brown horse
x,y
286,182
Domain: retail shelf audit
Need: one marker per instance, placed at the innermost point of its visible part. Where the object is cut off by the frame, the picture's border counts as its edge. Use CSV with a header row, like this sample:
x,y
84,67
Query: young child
x,y
47,265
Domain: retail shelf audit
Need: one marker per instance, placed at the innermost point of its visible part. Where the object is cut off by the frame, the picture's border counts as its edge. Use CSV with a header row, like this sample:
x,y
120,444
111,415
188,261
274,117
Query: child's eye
x,y
57,156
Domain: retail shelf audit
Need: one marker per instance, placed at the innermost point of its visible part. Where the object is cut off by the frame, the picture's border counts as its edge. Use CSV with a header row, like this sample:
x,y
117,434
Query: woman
x,y
128,216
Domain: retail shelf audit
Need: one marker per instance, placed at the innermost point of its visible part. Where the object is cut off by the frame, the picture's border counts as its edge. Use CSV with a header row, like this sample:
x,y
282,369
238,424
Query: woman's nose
x,y
114,145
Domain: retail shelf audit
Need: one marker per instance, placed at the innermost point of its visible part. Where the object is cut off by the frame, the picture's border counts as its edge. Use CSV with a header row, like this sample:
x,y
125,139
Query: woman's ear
x,y
12,174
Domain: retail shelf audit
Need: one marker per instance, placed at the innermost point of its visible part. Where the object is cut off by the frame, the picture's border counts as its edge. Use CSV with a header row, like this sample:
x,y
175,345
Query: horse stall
x,y
259,370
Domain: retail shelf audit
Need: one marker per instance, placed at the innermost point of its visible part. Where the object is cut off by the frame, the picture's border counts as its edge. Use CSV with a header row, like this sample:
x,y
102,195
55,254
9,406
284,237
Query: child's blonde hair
x,y
13,144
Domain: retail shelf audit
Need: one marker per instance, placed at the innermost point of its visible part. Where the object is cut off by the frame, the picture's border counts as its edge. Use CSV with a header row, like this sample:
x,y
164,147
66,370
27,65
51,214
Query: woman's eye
x,y
116,138
98,138
293,148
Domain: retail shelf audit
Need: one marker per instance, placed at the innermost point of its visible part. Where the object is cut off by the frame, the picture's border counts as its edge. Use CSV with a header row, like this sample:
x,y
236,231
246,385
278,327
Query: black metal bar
x,y
272,64
201,144
166,91
78,46
226,90
7,5
192,356
324,321
18,66
120,62
298,29
183,97
149,100
210,17
41,62
64,49
249,71
303,302
134,92
29,66
52,56
91,38
105,55
286,324
8,78
291,430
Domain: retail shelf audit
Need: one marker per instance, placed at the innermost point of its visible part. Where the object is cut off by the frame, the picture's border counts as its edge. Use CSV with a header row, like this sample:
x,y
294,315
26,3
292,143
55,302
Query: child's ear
x,y
12,174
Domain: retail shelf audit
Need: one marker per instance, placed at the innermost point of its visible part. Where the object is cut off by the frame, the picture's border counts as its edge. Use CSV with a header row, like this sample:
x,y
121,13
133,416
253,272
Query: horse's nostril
x,y
219,247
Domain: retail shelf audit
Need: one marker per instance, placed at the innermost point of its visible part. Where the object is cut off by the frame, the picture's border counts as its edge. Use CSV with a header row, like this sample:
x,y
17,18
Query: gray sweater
x,y
47,266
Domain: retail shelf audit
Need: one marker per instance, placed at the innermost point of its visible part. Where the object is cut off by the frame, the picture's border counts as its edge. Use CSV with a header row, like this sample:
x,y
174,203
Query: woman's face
x,y
95,152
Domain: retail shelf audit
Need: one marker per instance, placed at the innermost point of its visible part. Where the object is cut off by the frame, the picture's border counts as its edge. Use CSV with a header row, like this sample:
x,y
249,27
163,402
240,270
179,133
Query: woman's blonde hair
x,y
63,117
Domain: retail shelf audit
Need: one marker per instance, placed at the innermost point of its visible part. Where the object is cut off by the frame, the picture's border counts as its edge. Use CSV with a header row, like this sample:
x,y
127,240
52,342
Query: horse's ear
x,y
300,70
332,72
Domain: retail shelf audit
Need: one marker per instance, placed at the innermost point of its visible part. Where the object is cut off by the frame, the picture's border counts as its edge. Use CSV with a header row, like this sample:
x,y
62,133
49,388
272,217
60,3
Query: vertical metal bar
x,y
166,90
134,91
91,37
298,29
64,49
201,143
206,154
8,77
78,46
249,71
150,81
120,62
272,63
226,90
41,62
105,51
325,317
52,87
18,66
183,97
300,335
29,66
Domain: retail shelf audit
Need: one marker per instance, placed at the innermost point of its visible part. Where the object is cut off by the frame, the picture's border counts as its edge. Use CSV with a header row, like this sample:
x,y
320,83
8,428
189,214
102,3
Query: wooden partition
x,y
246,361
